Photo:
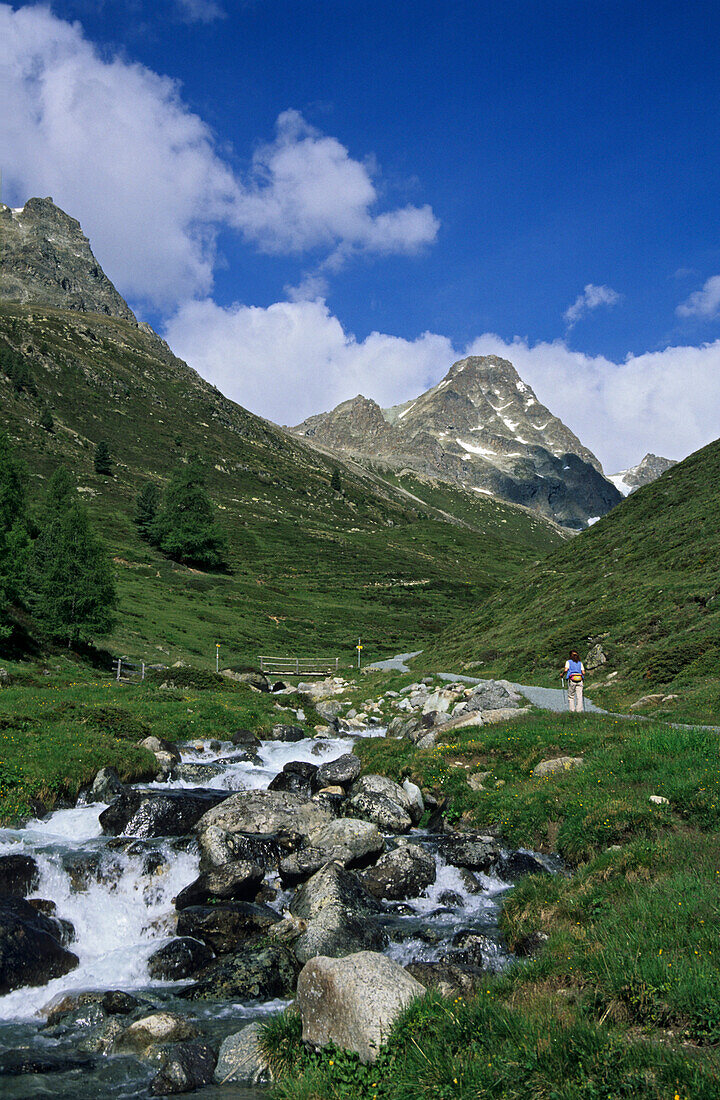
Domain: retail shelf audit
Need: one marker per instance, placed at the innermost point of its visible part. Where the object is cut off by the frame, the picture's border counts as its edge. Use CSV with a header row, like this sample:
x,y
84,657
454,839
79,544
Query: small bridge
x,y
299,666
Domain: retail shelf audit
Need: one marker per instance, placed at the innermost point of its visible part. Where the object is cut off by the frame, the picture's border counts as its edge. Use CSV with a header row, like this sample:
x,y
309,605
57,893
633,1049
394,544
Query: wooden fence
x,y
127,670
299,666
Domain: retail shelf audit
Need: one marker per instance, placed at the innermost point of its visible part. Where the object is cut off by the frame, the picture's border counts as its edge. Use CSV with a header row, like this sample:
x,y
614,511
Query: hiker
x,y
574,674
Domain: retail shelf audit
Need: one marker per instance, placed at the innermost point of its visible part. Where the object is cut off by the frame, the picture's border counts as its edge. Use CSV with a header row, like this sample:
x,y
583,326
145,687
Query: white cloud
x,y
703,303
591,297
294,359
116,147
306,192
200,11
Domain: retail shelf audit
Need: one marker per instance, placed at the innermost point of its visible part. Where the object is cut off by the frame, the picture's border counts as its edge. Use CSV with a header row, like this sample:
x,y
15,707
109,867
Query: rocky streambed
x,y
143,930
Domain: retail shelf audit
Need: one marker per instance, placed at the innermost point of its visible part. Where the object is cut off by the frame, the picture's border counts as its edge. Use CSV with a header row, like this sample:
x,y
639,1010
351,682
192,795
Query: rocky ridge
x,y
483,428
650,468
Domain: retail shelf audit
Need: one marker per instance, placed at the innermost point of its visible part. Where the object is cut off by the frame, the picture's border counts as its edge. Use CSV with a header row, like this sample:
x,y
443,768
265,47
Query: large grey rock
x,y
178,959
340,916
341,771
448,978
402,873
237,881
380,784
266,812
159,1027
385,812
417,803
257,974
18,875
218,846
353,1002
282,732
241,1061
557,764
228,926
159,745
348,841
187,1067
474,851
252,677
332,884
31,946
297,776
146,813
197,773
491,696
105,786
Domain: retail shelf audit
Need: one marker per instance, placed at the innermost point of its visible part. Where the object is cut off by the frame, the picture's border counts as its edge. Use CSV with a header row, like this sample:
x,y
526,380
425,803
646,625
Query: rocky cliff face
x,y
484,428
46,258
649,469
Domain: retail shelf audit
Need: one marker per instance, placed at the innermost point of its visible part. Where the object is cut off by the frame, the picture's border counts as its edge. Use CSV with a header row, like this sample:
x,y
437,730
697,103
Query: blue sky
x,y
325,196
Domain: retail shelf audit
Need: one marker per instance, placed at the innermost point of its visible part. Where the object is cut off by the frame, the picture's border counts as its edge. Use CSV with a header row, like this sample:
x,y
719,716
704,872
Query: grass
x,y
311,569
643,581
622,999
58,729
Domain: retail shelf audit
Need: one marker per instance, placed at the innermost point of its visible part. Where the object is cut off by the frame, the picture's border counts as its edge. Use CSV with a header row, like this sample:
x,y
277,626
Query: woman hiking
x,y
574,674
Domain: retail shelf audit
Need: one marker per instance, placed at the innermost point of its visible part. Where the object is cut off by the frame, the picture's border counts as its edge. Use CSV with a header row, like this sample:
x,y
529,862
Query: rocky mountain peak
x,y
650,468
47,259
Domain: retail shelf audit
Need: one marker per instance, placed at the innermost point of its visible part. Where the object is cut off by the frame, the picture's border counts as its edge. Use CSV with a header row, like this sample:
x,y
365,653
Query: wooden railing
x,y
299,666
126,670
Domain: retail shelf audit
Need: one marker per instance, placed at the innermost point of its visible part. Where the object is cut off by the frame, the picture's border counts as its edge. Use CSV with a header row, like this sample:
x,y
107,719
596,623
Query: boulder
x,y
265,812
160,1027
518,864
258,974
105,786
190,1066
236,881
297,776
147,813
596,656
16,1063
31,946
647,700
448,978
503,714
492,696
353,1002
246,739
160,745
113,1002
241,1061
383,811
217,846
339,772
281,732
19,875
226,927
197,773
473,851
337,931
416,801
347,841
557,764
178,959
332,884
252,677
403,873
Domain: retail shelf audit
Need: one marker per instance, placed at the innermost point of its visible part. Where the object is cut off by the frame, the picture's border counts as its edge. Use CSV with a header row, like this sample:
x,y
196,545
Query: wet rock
x,y
241,1061
332,884
340,772
246,738
31,946
557,764
471,949
146,813
160,1027
451,899
473,851
518,864
196,773
297,776
218,846
347,841
402,873
105,786
159,745
189,1067
102,1040
257,973
449,979
340,915
15,1063
18,875
225,927
353,1002
380,784
179,959
416,807
237,881
384,812
86,867
113,1002
266,812
531,944
282,732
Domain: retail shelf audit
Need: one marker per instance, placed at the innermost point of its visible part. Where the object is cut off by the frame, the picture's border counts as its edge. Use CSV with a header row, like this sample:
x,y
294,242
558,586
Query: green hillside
x,y
311,569
643,582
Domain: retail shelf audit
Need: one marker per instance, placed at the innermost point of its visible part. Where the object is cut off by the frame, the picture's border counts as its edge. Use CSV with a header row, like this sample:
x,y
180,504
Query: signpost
x,y
359,648
217,656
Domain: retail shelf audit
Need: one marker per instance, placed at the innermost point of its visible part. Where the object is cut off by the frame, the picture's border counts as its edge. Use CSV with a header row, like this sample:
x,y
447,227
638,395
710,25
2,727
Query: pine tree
x,y
13,531
185,527
103,461
70,580
46,421
147,503
335,484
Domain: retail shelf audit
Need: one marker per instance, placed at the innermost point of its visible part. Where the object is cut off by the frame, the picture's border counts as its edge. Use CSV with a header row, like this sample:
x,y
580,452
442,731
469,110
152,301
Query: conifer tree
x,y
71,587
103,461
13,531
46,421
185,527
335,484
147,503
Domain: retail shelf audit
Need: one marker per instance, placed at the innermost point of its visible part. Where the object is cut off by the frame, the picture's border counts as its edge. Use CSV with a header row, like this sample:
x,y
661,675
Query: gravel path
x,y
394,664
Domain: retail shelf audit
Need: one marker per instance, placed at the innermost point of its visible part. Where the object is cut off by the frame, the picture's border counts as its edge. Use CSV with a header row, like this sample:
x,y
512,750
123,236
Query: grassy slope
x,y
644,578
311,569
